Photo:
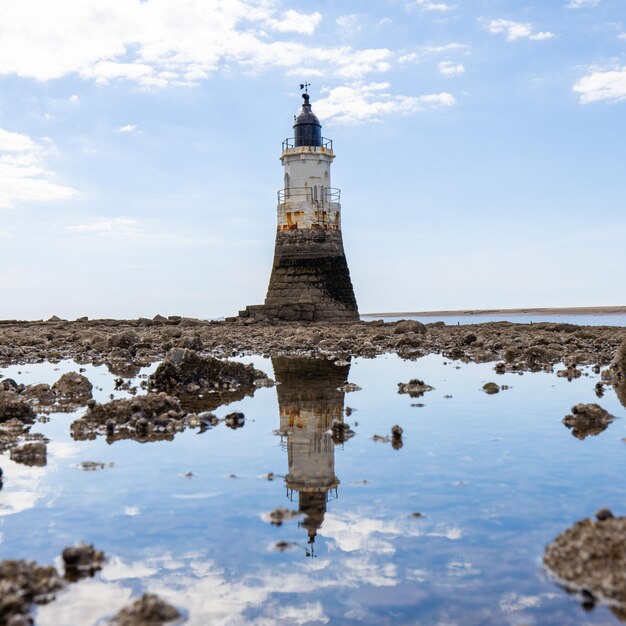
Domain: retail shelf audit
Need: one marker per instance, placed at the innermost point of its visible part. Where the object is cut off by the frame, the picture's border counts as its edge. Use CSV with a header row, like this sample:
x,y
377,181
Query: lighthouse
x,y
310,279
309,402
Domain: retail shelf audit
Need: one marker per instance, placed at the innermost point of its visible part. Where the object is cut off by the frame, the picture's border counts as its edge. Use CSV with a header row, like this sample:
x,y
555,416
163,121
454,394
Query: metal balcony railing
x,y
290,142
319,195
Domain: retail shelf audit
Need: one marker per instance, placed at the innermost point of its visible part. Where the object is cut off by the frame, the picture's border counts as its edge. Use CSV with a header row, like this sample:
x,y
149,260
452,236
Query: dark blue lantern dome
x,y
307,128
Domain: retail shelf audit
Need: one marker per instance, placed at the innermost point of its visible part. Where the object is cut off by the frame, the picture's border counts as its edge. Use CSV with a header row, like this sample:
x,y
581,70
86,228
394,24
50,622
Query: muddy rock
x,y
415,388
590,559
31,454
73,388
149,610
587,419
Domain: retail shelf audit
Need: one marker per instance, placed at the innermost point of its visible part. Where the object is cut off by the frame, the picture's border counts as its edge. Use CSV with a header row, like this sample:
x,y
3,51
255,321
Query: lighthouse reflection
x,y
309,403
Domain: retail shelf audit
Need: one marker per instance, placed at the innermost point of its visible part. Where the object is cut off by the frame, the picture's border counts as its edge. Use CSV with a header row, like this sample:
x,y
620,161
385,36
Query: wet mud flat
x,y
362,473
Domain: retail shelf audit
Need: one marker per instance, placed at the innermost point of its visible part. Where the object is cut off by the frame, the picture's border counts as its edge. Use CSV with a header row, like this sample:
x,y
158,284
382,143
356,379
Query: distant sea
x,y
608,319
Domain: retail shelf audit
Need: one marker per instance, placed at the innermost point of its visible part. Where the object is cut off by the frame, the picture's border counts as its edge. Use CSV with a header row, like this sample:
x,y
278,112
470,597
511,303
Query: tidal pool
x,y
448,529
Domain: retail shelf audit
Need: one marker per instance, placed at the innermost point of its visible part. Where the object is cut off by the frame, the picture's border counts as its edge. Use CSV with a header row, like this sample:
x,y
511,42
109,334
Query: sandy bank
x,y
591,310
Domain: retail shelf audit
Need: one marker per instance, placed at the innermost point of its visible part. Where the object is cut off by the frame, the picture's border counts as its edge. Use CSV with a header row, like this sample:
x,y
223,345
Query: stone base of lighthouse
x,y
310,279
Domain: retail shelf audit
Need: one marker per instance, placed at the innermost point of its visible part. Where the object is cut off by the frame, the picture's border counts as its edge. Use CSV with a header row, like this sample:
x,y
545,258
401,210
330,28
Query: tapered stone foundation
x,y
310,279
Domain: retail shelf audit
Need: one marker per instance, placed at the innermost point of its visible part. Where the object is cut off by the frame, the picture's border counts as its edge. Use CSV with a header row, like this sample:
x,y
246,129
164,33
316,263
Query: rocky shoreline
x,y
127,345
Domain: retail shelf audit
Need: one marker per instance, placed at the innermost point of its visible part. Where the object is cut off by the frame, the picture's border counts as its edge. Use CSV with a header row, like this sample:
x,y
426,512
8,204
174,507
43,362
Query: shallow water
x,y
612,319
495,478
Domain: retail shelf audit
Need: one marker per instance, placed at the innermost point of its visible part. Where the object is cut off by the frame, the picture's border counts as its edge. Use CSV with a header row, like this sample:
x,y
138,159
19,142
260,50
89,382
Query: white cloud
x,y
128,128
166,42
580,4
517,30
449,47
599,85
449,68
363,102
118,226
293,21
408,58
73,98
622,36
349,22
23,175
428,5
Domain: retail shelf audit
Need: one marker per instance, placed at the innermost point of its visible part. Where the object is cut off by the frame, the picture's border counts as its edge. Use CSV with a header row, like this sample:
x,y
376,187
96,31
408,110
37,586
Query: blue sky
x,y
480,150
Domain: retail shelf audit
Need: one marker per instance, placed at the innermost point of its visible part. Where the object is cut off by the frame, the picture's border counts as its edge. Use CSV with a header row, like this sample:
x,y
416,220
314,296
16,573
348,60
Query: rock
x,y
491,388
409,326
191,342
23,583
469,338
604,514
40,395
415,388
73,388
590,559
618,365
410,340
341,431
31,454
145,418
12,405
184,368
349,388
570,373
587,419
279,515
124,339
396,437
235,420
149,610
81,561
20,620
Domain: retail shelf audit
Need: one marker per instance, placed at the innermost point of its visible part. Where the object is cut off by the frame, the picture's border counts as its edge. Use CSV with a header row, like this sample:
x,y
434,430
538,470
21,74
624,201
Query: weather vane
x,y
305,86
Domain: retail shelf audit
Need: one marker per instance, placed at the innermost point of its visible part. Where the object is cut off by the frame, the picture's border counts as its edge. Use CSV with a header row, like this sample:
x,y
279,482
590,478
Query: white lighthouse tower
x,y
310,279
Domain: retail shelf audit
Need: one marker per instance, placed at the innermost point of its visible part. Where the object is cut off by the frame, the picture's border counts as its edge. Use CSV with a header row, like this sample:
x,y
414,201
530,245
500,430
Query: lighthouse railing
x,y
324,195
290,142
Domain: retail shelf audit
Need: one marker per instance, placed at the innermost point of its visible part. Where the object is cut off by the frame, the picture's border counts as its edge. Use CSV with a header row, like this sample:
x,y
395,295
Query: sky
x,y
479,149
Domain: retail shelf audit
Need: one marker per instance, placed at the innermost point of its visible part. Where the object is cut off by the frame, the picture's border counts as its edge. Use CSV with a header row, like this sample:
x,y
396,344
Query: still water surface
x,y
495,478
